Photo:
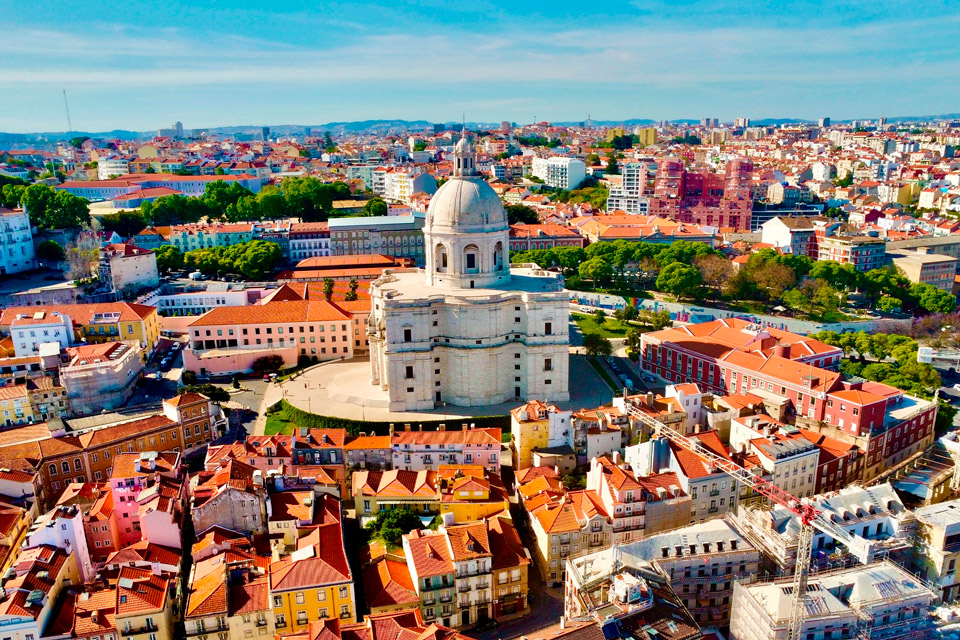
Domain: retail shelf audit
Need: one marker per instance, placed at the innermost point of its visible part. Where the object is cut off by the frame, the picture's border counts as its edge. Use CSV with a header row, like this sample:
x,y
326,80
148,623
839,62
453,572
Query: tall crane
x,y
67,105
810,517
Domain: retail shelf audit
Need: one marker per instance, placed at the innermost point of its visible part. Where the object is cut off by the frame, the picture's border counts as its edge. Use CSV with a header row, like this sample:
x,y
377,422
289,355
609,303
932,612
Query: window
x,y
300,597
408,335
408,374
548,364
548,328
343,592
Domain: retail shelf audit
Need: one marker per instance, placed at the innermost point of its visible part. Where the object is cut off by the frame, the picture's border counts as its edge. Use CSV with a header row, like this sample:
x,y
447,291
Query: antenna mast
x,y
67,105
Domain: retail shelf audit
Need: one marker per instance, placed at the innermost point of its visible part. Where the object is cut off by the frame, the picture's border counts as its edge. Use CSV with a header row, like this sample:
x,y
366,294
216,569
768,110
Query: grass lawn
x,y
603,374
278,423
611,327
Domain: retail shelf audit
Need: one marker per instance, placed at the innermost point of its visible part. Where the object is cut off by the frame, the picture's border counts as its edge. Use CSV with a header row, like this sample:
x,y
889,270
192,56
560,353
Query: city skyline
x,y
139,67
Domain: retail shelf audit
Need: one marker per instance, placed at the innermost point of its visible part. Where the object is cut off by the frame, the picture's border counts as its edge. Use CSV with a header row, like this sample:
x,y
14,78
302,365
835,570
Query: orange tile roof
x,y
387,583
327,563
395,483
250,597
505,545
272,313
146,592
429,553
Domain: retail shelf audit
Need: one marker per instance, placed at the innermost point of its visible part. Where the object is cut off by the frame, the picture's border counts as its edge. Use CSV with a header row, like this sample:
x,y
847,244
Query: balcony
x,y
715,493
463,588
446,598
261,622
713,510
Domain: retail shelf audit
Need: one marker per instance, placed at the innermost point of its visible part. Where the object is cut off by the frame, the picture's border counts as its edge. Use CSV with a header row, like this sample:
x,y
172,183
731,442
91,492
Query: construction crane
x,y
810,517
67,105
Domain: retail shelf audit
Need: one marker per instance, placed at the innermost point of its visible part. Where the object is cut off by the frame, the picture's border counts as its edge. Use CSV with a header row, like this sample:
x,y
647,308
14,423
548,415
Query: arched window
x,y
440,258
498,257
471,258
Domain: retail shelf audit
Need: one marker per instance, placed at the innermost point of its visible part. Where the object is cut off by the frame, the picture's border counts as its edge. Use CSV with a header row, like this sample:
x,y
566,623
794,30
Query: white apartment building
x,y
882,600
16,242
559,172
309,240
128,267
787,458
195,303
938,547
28,332
874,513
701,562
712,492
631,196
399,186
112,166
101,376
62,528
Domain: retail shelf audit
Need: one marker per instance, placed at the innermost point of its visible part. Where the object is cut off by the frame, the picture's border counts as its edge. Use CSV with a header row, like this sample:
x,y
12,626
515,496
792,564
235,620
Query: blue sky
x,y
142,65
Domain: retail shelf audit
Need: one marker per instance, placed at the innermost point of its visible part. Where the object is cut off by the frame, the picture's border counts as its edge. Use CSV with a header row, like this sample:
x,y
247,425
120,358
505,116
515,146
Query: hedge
x,y
354,427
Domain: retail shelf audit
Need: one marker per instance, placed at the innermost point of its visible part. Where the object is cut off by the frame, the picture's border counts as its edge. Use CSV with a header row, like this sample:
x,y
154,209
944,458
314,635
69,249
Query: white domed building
x,y
468,330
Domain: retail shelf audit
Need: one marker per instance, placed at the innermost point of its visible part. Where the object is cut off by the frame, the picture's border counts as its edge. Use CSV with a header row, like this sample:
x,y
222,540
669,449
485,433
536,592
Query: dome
x,y
466,204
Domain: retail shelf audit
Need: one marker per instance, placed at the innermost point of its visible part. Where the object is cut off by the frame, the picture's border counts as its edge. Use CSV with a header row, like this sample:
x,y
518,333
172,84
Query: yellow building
x,y
471,493
413,490
647,136
144,605
312,583
15,405
510,568
531,427
614,132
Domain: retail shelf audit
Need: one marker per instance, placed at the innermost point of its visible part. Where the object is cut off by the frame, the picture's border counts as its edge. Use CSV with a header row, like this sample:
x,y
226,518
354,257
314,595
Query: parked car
x,y
486,625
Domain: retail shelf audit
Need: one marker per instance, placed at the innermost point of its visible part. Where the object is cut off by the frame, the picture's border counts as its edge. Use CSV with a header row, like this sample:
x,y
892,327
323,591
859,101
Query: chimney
x,y
782,350
406,426
649,398
391,430
442,427
616,457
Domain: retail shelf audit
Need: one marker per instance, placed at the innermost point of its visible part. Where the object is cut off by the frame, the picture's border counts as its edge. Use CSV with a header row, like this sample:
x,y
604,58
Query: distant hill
x,y
387,125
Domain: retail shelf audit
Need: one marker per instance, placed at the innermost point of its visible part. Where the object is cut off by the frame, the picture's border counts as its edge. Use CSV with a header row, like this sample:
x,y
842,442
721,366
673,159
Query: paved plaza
x,y
343,389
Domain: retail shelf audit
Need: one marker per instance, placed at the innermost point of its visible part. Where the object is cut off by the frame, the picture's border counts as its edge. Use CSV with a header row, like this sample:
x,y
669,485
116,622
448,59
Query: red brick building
x,y
732,356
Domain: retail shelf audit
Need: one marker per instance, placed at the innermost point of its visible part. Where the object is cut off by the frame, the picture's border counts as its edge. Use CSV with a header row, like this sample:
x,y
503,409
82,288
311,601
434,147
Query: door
x,y
465,617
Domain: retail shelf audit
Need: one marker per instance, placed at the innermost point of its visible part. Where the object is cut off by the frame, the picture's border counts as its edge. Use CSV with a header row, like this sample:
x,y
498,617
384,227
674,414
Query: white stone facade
x,y
16,242
467,330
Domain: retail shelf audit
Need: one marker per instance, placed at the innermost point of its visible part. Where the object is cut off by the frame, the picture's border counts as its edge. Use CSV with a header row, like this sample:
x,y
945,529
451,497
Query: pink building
x,y
132,474
417,450
230,339
99,518
703,197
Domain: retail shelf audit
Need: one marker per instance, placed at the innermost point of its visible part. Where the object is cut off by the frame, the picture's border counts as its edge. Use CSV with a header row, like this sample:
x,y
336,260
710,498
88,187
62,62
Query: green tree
x,y
11,194
267,364
797,300
600,316
889,303
626,314
932,299
78,141
679,279
390,525
613,168
597,270
574,482
596,345
51,251
212,391
633,343
125,223
351,290
946,412
328,288
657,320
593,160
517,213
375,207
